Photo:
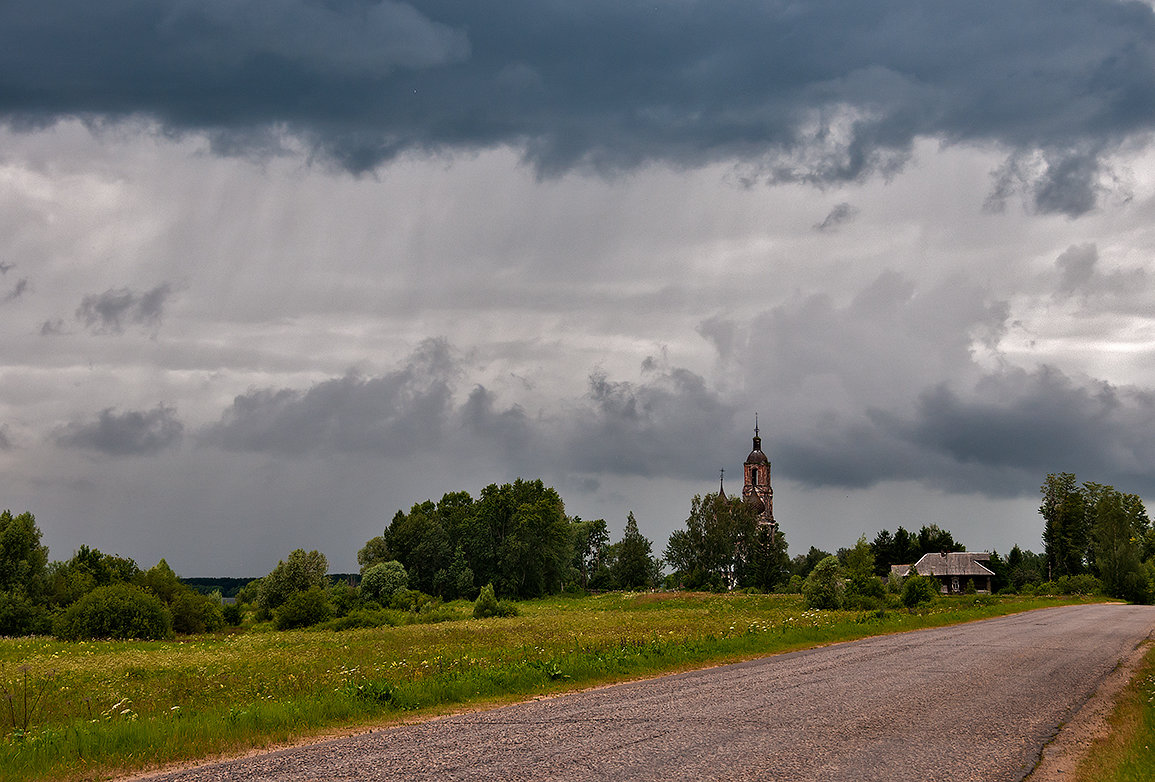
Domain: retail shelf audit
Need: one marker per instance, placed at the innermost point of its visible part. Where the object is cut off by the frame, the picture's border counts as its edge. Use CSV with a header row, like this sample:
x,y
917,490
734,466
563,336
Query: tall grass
x,y
110,706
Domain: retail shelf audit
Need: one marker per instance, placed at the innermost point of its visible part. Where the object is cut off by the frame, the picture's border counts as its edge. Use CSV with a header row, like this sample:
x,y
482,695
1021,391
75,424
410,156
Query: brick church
x,y
756,489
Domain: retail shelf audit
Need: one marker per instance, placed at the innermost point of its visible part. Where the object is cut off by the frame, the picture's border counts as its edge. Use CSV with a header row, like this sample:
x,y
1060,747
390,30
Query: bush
x,y
193,612
362,617
1083,584
823,588
487,605
120,611
919,589
414,601
21,616
303,609
233,614
383,580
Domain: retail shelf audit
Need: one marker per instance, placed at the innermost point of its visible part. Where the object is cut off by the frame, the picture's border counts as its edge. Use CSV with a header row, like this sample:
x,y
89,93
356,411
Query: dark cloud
x,y
397,414
840,214
111,311
812,92
6,267
670,425
1001,438
5,441
125,434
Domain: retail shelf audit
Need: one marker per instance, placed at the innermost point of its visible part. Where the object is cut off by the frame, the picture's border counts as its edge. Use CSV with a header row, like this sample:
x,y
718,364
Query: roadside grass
x,y
1127,754
91,710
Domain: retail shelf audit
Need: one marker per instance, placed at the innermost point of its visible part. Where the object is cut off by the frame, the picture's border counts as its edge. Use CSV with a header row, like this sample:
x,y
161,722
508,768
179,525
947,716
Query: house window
x,y
954,584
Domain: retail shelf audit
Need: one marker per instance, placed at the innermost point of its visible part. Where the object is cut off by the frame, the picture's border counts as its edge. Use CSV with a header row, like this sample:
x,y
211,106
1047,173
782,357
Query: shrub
x,y
193,612
414,601
21,616
233,614
919,589
1083,584
383,580
823,588
303,609
120,611
487,605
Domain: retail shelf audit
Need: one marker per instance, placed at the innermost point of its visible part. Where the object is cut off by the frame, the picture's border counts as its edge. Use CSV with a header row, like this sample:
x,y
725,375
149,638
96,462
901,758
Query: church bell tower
x,y
756,490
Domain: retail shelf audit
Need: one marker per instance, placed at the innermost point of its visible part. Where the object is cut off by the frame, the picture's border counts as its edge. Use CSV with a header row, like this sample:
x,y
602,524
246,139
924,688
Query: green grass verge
x,y
1127,754
92,710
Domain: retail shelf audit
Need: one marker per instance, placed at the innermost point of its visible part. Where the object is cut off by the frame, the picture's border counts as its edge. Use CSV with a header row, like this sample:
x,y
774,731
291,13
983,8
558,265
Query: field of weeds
x,y
90,710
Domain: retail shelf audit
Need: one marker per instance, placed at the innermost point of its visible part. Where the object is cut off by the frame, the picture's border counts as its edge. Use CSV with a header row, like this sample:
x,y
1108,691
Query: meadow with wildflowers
x,y
91,710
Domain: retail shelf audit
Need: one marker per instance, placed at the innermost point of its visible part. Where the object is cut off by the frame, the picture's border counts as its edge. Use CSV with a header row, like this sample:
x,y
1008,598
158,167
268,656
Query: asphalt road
x,y
971,702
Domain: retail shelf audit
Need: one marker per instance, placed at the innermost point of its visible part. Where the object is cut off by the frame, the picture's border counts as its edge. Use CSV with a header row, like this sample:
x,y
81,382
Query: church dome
x,y
756,456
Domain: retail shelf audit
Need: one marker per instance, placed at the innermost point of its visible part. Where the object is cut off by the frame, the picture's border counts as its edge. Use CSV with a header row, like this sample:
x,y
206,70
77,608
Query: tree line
x,y
515,541
92,594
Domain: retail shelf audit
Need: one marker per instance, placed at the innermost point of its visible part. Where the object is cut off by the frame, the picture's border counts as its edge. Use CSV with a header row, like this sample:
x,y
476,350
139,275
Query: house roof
x,y
948,563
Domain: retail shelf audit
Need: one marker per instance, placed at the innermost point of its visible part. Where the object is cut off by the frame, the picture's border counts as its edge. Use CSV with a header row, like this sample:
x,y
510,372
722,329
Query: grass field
x,y
1128,753
92,710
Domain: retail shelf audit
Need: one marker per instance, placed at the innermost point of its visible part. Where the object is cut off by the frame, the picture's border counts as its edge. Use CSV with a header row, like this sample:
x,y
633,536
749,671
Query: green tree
x,y
768,565
375,550
162,582
634,568
23,559
803,564
824,588
381,581
883,550
863,588
420,542
917,590
194,613
591,539
1119,523
932,539
906,549
119,611
517,537
301,571
1065,530
303,609
716,549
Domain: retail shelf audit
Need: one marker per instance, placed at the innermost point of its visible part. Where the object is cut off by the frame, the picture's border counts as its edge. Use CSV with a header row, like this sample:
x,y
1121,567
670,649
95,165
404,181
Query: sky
x,y
272,270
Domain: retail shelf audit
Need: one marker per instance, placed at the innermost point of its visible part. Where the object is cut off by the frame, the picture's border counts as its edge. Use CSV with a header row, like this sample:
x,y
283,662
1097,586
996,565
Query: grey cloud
x,y
509,430
1000,439
1079,275
5,441
839,215
396,414
6,267
52,327
671,424
125,434
18,290
812,92
111,311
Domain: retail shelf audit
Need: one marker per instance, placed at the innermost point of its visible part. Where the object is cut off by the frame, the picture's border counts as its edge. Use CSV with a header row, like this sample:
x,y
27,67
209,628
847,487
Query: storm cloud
x,y
396,414
131,433
816,92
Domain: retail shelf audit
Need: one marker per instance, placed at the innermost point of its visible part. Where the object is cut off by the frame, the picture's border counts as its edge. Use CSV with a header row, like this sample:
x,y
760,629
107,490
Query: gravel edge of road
x,y
1062,754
